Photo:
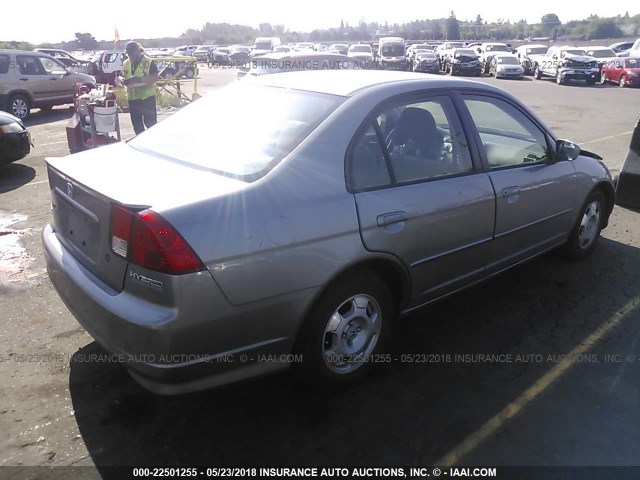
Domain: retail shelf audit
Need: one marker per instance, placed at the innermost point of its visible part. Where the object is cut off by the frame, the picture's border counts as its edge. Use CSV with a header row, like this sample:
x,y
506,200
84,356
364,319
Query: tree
x,y
550,23
86,41
603,28
452,27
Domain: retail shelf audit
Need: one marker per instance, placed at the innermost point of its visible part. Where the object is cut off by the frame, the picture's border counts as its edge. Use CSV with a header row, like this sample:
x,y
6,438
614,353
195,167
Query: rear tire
x,y
586,231
346,329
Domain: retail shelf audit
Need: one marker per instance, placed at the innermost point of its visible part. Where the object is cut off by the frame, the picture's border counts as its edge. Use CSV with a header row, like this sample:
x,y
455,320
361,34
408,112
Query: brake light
x,y
149,241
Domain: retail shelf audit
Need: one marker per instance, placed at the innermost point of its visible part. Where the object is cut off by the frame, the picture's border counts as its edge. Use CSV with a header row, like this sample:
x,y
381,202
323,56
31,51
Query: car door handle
x,y
511,191
391,218
24,79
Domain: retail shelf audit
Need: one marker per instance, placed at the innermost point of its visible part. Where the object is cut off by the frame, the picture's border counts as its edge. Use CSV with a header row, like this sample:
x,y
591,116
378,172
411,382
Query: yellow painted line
x,y
606,138
497,421
37,183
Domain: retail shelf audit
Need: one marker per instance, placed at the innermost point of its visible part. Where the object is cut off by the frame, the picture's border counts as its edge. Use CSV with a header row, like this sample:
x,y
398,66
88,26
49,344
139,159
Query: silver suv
x,y
34,79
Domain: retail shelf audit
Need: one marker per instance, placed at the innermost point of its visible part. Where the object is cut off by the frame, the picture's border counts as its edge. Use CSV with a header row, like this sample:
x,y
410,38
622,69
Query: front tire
x,y
587,229
559,79
349,323
623,82
19,106
537,74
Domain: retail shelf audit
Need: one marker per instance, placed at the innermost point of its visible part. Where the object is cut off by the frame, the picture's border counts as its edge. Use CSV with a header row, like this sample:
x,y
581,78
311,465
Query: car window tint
x,y
508,136
29,65
4,64
424,140
368,167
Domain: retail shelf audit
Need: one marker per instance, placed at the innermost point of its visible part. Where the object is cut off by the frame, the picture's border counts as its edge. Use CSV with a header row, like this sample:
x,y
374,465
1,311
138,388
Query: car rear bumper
x,y
171,349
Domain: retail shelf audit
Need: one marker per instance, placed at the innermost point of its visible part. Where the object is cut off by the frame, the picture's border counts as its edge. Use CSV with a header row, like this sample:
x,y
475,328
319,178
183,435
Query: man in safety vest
x,y
140,76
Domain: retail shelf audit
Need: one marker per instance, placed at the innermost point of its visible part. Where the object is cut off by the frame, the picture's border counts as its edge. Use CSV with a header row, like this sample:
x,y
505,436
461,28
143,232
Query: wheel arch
x,y
388,268
610,197
20,91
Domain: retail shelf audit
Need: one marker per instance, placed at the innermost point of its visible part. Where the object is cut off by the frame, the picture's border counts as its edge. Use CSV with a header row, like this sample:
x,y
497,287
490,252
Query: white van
x,y
264,45
392,54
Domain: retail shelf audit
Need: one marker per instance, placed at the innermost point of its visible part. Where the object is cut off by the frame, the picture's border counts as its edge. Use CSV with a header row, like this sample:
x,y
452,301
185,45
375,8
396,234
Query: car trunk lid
x,y
86,185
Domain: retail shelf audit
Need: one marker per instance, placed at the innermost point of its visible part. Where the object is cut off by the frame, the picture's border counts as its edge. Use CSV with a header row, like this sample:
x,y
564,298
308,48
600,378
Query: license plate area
x,y
77,226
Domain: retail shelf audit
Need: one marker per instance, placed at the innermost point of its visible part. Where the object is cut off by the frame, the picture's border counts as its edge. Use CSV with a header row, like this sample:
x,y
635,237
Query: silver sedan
x,y
288,221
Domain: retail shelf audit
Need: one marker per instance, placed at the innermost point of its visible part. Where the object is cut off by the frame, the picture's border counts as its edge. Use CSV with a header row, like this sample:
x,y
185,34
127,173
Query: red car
x,y
623,71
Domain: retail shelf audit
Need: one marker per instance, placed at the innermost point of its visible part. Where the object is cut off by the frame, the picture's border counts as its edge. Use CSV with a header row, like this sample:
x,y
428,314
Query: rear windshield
x,y
537,50
498,48
508,60
241,130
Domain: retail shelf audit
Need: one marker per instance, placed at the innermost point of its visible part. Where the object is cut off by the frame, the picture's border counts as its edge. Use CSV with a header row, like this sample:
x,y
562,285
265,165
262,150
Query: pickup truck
x,y
564,64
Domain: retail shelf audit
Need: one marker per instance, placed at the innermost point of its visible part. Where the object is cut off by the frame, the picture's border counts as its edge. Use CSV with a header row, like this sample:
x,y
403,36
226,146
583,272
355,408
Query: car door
x,y
33,77
419,196
615,72
61,83
535,195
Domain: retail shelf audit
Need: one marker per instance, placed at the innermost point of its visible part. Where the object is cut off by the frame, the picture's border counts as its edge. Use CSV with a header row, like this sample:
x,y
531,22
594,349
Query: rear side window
x,y
418,141
4,64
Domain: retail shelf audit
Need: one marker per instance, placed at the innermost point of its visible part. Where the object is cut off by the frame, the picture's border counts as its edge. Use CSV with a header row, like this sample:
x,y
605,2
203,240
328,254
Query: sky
x,y
58,20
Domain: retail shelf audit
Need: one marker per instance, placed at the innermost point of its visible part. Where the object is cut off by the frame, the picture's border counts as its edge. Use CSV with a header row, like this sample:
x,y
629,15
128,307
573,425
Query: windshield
x,y
425,55
537,50
508,60
393,50
449,45
360,48
262,46
575,52
497,48
632,63
602,53
465,54
225,132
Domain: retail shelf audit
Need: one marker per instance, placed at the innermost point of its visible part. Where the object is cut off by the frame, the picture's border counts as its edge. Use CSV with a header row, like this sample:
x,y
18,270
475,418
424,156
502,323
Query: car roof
x,y
346,83
303,56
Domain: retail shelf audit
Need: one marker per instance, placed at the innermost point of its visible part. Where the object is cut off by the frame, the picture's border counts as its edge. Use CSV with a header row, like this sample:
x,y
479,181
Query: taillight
x,y
148,240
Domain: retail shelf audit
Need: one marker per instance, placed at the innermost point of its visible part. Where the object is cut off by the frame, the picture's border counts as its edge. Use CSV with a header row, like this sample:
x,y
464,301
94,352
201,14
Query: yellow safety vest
x,y
142,70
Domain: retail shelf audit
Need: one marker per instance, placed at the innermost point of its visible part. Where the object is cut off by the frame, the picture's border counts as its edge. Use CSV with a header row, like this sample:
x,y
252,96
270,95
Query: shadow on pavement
x,y
40,117
14,176
411,412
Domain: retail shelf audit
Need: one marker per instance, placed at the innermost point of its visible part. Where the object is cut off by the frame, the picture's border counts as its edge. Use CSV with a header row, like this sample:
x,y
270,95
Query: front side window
x,y
508,136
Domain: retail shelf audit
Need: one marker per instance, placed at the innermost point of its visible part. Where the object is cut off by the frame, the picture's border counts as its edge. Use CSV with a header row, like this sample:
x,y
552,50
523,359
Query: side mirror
x,y
566,150
555,57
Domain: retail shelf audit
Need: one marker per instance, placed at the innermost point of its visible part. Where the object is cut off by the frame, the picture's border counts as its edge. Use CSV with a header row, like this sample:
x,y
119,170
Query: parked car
x,y
623,71
340,48
486,52
35,80
506,65
68,60
621,46
426,61
264,45
320,216
239,54
601,54
304,47
523,53
445,49
202,52
392,54
462,61
185,50
15,140
362,53
566,63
